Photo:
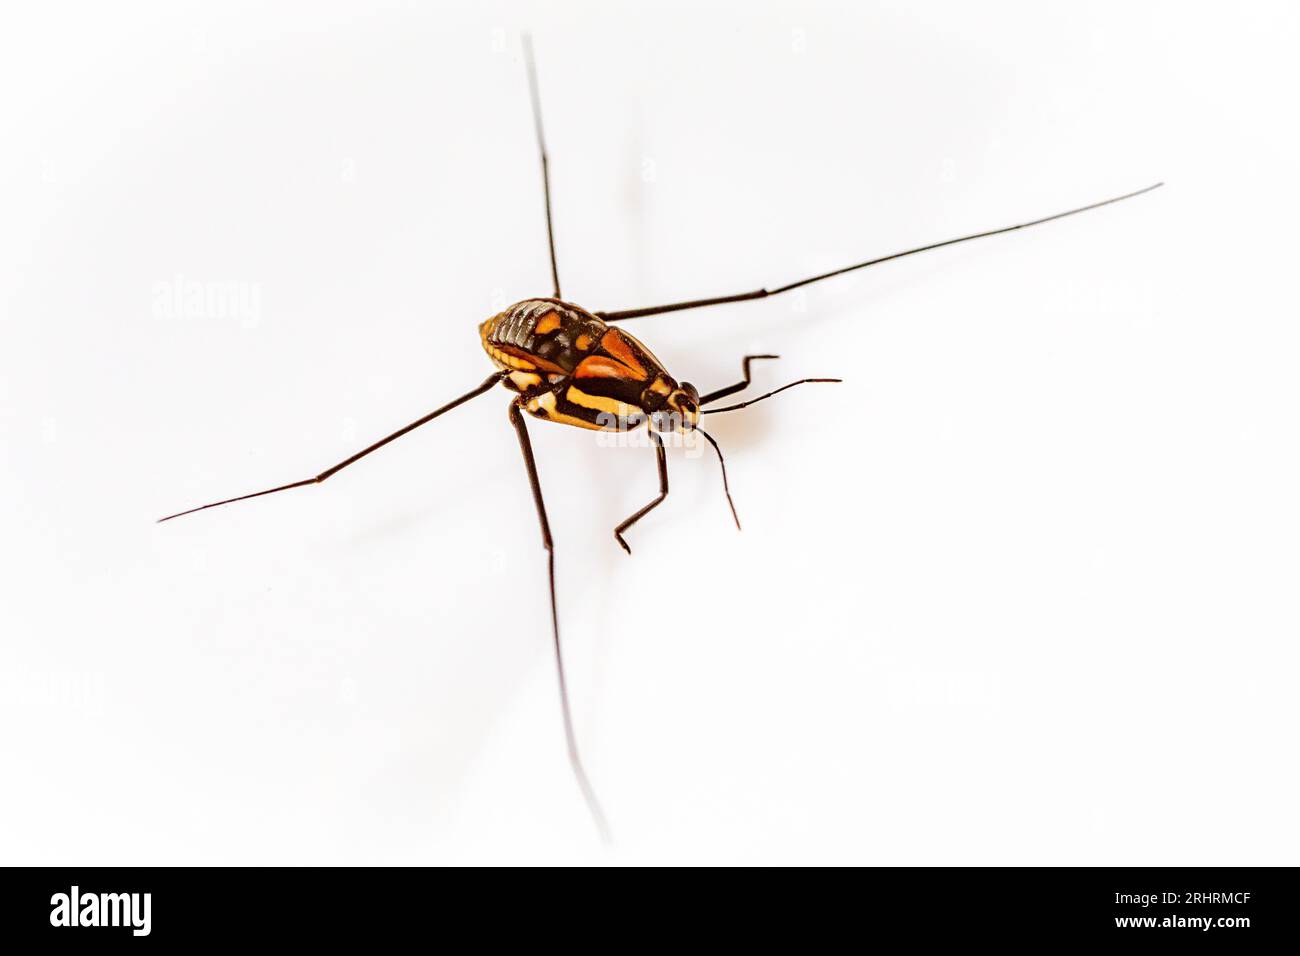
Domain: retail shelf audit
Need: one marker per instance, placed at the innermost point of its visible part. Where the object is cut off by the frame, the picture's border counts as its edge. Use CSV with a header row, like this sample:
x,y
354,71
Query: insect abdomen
x,y
544,335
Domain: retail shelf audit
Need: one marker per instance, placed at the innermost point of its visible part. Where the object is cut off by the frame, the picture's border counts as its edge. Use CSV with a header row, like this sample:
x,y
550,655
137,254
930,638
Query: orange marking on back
x,y
601,366
583,343
549,323
534,361
617,346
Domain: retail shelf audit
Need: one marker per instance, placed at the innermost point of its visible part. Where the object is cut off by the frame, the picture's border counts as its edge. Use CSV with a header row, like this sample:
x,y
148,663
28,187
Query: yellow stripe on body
x,y
525,380
544,405
506,360
599,403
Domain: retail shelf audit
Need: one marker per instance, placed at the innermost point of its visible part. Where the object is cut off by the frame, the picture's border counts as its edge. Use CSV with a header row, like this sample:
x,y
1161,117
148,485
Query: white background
x,y
1022,590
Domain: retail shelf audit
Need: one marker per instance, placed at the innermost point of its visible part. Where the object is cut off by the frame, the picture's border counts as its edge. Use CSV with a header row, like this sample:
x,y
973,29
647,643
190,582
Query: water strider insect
x,y
571,366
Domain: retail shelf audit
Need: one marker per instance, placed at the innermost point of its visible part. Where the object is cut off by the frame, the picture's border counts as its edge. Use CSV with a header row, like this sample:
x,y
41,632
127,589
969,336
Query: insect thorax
x,y
570,367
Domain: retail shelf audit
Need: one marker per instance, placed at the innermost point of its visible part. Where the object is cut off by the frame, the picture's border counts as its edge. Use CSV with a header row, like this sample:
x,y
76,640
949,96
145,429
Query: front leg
x,y
663,493
739,386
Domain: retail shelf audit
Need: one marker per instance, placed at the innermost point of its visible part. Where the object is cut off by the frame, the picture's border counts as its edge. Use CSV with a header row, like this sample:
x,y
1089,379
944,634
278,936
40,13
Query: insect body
x,y
570,367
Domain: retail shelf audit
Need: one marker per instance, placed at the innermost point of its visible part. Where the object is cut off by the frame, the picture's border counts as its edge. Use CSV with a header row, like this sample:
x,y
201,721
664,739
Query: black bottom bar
x,y
1231,907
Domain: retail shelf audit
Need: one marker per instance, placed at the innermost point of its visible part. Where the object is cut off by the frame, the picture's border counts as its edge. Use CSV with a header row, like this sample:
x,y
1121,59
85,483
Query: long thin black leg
x,y
526,446
487,384
777,391
541,148
763,293
739,386
663,493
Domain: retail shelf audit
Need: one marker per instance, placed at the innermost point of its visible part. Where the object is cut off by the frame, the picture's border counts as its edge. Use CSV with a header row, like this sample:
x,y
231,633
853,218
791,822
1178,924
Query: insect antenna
x,y
740,405
541,148
722,462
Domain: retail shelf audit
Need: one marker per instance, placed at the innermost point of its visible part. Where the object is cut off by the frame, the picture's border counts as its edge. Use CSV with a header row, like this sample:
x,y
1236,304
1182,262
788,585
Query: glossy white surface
x,y
1021,591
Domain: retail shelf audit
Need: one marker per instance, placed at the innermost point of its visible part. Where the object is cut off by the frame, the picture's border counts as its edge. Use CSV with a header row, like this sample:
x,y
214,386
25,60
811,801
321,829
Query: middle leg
x,y
663,493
